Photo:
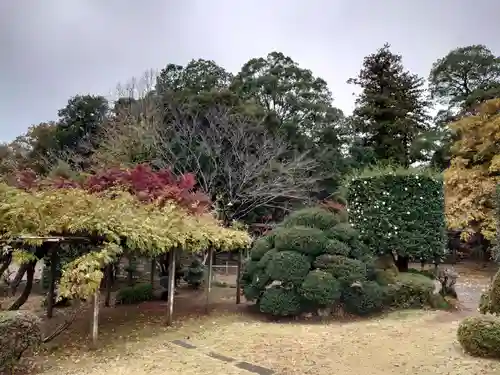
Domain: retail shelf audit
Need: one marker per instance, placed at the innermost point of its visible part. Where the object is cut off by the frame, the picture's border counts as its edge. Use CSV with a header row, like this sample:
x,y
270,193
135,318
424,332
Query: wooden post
x,y
209,276
109,281
171,287
238,279
152,271
52,286
95,320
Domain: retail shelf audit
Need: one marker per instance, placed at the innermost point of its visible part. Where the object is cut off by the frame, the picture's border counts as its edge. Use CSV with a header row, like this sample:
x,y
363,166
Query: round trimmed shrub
x,y
249,269
259,248
480,336
314,217
345,270
260,279
385,277
410,291
134,294
251,292
336,247
19,331
263,262
364,298
279,301
321,288
288,267
343,232
195,273
305,240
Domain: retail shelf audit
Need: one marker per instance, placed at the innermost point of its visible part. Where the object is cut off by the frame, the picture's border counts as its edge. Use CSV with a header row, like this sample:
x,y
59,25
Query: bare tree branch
x,y
237,161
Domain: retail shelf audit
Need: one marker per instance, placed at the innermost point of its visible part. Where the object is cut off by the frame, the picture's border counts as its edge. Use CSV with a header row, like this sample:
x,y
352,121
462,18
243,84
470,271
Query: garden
x,y
363,277
115,217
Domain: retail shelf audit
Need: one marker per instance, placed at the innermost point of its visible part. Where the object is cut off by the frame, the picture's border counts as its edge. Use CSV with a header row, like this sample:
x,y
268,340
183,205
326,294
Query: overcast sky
x,y
51,50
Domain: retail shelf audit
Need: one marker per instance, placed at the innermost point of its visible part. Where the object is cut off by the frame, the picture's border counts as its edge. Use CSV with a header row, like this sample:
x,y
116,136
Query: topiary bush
x,y
400,210
314,217
316,261
19,331
310,241
480,336
134,294
278,301
288,267
306,263
259,248
410,291
346,270
194,274
364,298
320,288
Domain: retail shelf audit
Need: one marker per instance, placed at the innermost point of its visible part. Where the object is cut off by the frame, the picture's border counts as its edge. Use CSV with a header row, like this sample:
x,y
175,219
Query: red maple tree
x,y
160,186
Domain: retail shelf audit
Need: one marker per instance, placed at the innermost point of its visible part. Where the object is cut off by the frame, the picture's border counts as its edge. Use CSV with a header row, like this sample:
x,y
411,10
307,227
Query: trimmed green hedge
x,y
134,294
399,209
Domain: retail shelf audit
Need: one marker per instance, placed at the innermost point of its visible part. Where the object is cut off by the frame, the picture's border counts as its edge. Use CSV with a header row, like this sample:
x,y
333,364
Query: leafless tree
x,y
128,135
237,162
240,164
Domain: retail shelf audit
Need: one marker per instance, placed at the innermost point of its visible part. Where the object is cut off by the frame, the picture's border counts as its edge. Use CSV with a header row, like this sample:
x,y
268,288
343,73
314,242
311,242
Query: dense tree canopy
x,y
475,169
264,139
466,76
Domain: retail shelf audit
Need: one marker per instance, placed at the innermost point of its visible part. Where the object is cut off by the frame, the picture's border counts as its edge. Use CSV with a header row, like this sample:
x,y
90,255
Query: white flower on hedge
x,y
407,212
406,189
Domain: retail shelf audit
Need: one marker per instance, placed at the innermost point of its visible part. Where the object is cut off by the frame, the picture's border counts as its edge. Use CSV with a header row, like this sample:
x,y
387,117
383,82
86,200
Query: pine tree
x,y
391,112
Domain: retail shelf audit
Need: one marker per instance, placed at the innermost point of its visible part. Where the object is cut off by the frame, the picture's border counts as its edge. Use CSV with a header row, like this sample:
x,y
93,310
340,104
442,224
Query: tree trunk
x,y
30,270
17,279
6,260
402,263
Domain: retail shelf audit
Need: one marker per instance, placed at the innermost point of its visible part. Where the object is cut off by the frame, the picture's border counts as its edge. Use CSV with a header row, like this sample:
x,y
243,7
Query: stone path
x,y
250,367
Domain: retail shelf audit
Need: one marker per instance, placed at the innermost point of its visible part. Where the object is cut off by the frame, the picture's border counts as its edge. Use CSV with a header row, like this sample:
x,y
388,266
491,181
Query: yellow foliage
x,y
471,179
115,218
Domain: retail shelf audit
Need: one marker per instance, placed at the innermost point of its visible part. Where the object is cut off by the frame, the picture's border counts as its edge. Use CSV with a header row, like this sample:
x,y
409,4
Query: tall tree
x,y
299,107
391,111
301,102
196,77
79,123
465,77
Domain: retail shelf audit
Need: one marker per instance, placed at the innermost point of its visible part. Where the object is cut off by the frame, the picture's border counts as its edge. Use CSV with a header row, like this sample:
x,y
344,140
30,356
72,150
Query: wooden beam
x,y
238,277
209,277
171,287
